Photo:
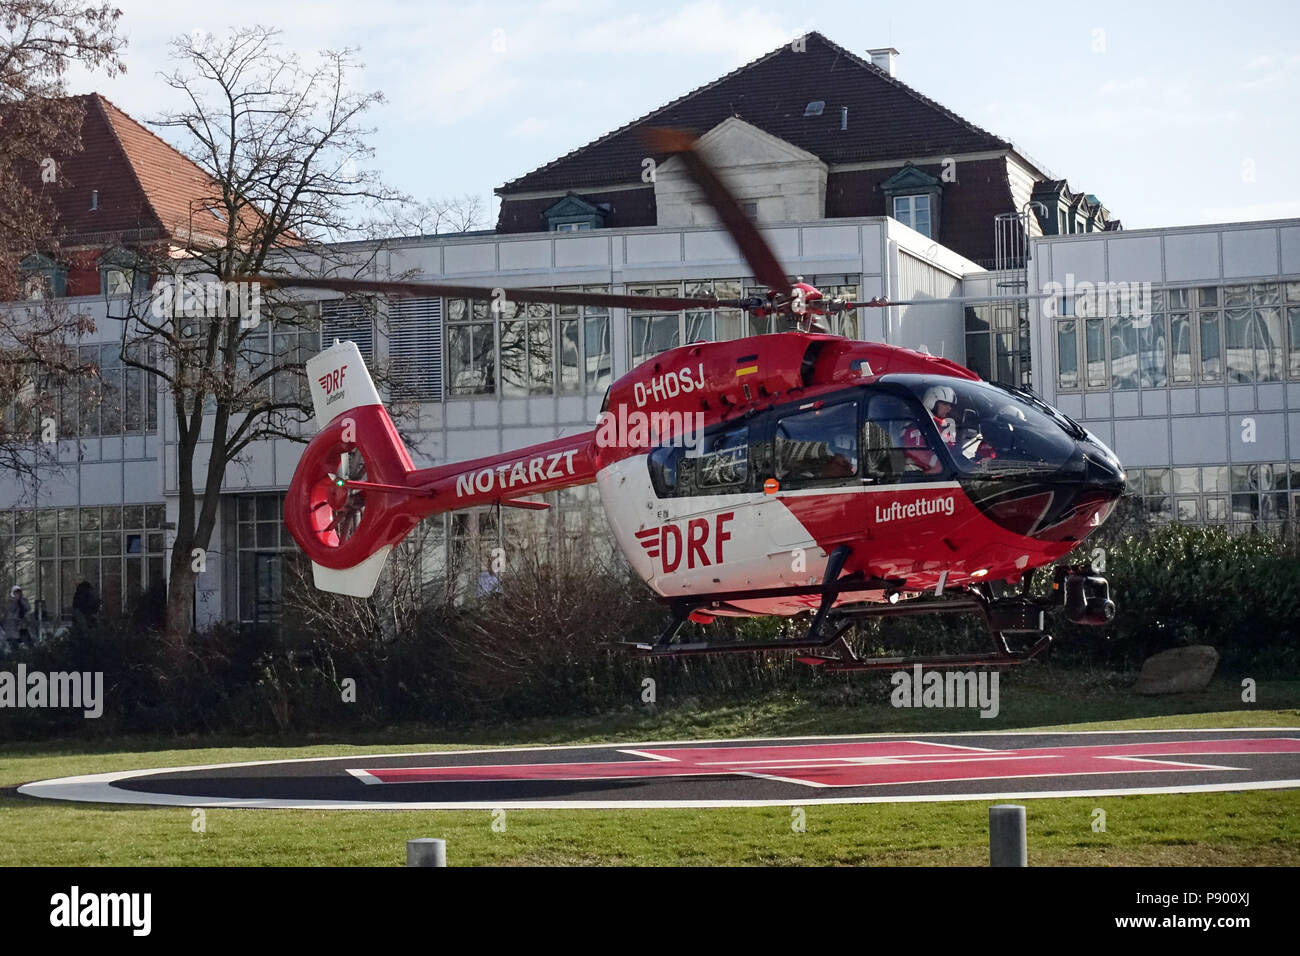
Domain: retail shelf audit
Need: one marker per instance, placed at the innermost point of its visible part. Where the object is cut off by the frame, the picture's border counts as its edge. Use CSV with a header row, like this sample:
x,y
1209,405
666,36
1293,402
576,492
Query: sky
x,y
1171,114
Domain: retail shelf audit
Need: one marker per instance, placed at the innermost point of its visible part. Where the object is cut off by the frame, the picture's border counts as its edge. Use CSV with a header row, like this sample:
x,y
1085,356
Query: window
x,y
533,349
262,547
664,464
122,273
117,549
471,349
913,211
415,348
43,278
886,455
1067,354
527,356
724,458
818,445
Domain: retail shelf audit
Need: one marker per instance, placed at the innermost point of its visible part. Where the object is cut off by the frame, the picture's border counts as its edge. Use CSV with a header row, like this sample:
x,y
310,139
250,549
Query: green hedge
x,y
543,646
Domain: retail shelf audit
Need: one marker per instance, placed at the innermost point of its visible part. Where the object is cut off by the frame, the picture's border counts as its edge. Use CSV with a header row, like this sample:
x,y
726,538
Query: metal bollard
x,y
1007,846
426,852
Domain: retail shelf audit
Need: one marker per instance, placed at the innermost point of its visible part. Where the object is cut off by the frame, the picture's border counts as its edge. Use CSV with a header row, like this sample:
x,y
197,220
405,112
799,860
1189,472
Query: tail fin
x,y
348,532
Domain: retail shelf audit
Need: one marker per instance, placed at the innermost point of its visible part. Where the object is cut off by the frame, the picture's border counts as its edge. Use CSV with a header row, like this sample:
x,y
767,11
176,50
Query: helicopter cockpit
x,y
987,429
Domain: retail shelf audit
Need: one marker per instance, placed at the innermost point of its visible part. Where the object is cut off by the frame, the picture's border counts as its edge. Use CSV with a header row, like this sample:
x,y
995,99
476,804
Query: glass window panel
x,y
471,365
1096,347
1152,346
1211,352
1269,343
69,578
1207,297
1123,353
1177,299
1187,481
246,505
135,544
110,543
728,325
1245,507
45,546
1159,509
89,519
541,351
155,541
979,355
818,445
133,516
1067,348
652,334
598,357
1238,345
1188,509
514,359
1156,481
699,327
24,522
1236,296
110,518
724,458
1006,358
6,525
1244,478
850,325
266,508
1273,506
47,521
1293,336
1216,508
267,536
1267,293
977,318
1180,346
68,545
111,581
570,356
154,515
90,544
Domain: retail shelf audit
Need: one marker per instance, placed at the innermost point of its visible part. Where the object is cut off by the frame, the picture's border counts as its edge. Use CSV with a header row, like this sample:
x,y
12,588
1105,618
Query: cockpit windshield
x,y
993,430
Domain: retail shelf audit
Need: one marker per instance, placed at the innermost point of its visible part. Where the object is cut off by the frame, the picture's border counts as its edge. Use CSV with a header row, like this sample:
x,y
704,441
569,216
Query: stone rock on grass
x,y
1179,671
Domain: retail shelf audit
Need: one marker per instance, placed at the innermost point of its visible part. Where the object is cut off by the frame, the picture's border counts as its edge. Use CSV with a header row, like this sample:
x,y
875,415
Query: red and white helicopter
x,y
773,475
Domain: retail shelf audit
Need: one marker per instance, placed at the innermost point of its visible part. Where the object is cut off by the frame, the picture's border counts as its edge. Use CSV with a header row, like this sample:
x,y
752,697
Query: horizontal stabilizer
x,y
530,505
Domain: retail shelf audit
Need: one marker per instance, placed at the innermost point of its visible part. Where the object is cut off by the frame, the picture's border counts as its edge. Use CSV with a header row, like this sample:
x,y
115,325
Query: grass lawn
x,y
1251,828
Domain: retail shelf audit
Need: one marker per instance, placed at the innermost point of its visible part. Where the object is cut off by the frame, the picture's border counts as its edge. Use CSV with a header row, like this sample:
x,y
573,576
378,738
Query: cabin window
x,y
818,445
664,464
894,444
724,458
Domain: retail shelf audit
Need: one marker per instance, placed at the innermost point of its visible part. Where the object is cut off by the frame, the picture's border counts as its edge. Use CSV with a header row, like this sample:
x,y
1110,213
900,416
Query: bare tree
x,y
450,214
284,149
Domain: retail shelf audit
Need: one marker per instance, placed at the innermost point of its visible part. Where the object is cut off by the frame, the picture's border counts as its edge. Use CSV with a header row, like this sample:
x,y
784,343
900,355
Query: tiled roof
x,y
147,188
886,120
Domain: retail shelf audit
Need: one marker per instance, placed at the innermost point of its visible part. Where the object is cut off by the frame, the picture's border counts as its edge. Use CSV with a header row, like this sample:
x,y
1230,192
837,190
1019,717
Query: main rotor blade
x,y
479,293
762,260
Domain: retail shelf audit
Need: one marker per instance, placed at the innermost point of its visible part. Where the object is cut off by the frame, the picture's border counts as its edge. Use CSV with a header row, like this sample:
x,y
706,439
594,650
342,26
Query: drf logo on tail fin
x,y
332,381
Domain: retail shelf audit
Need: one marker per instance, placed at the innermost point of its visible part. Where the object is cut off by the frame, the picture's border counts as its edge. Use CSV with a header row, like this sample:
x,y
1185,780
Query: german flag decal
x,y
746,365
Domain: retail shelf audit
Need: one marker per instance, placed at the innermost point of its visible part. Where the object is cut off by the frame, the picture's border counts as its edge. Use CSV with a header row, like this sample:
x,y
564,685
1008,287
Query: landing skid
x,y
830,625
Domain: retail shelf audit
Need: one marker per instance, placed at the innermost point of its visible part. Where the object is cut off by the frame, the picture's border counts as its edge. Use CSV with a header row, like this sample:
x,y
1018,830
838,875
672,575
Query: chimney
x,y
883,59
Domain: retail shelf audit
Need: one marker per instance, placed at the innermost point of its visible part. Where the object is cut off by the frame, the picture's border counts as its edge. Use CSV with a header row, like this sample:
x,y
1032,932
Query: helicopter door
x,y
812,449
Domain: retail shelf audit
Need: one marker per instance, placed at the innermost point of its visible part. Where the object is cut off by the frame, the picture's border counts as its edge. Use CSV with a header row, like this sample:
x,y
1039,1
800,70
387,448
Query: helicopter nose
x,y
1101,468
